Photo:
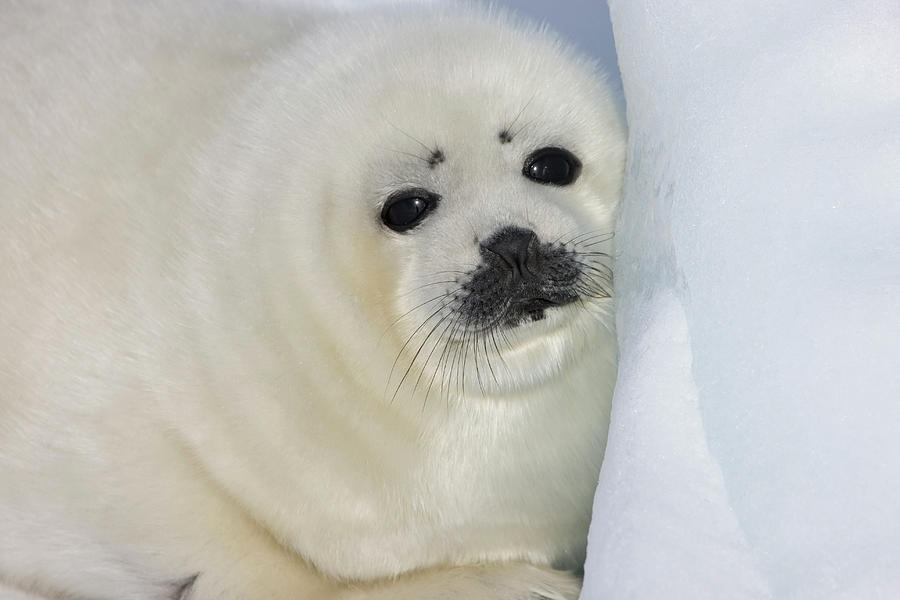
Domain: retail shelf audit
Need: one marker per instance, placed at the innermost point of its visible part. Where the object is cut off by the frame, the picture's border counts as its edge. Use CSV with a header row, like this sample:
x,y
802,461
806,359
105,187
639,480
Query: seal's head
x,y
448,185
408,224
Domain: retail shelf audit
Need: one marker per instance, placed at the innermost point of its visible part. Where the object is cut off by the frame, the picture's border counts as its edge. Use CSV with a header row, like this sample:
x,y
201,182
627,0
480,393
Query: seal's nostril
x,y
515,247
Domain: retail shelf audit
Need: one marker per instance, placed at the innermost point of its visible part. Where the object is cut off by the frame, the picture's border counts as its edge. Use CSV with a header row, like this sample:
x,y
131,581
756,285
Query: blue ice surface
x,y
754,450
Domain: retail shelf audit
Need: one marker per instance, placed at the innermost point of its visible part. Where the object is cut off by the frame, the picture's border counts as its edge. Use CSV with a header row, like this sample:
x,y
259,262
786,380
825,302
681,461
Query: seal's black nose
x,y
514,248
518,279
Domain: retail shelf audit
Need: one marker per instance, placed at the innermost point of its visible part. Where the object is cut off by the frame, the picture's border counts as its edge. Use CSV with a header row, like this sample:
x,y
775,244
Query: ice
x,y
585,23
755,441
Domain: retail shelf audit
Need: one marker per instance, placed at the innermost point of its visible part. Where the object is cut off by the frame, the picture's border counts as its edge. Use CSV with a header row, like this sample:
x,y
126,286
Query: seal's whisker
x,y
521,110
506,134
416,355
596,266
451,355
499,354
415,139
406,343
418,306
597,274
446,339
487,357
454,364
595,233
522,128
591,236
562,235
450,350
424,285
410,154
422,372
472,344
594,258
595,291
595,295
454,271
596,242
461,370
596,279
452,319
505,338
446,336
446,391
475,362
414,308
583,234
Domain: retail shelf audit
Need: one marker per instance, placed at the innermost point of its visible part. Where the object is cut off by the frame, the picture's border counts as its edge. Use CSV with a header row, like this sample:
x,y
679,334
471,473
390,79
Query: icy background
x,y
584,22
755,441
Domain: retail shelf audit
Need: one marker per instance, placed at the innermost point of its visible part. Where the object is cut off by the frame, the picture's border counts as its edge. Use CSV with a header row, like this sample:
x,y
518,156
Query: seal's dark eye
x,y
555,166
404,210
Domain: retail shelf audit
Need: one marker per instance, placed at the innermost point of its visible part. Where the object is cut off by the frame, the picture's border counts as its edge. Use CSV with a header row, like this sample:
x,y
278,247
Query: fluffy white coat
x,y
203,319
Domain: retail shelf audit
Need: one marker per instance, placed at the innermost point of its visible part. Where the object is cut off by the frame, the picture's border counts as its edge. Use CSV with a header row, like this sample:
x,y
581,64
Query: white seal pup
x,y
296,310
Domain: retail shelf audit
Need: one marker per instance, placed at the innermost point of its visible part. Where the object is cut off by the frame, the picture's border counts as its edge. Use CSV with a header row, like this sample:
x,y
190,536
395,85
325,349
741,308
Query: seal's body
x,y
291,306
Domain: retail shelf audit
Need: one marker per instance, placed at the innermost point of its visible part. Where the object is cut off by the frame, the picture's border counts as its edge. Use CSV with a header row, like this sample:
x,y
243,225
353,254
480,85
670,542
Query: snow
x,y
755,442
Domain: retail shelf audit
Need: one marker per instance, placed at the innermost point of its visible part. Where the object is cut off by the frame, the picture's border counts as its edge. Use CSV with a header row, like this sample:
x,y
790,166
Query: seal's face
x,y
460,200
486,249
494,198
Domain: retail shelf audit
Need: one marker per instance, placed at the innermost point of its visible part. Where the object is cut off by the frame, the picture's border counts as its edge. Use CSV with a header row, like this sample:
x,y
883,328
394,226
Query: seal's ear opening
x,y
405,209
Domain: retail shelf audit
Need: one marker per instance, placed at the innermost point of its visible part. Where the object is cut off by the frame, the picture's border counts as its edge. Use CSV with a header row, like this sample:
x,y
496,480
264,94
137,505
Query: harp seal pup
x,y
300,307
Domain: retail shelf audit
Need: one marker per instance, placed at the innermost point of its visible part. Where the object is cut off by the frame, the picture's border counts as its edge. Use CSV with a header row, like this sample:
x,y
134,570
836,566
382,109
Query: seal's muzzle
x,y
518,279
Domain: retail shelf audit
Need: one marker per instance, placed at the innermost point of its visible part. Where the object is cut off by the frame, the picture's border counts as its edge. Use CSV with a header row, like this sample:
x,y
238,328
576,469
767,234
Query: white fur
x,y
200,309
